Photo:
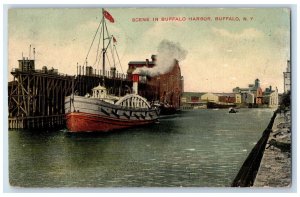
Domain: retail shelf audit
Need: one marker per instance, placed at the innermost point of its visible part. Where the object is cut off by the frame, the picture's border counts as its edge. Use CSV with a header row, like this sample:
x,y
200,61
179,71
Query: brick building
x,y
132,65
252,90
165,88
226,97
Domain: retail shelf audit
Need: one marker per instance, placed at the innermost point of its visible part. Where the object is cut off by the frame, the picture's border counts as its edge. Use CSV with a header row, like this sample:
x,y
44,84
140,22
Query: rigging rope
x,y
121,70
112,48
93,41
99,42
110,45
118,58
107,59
99,59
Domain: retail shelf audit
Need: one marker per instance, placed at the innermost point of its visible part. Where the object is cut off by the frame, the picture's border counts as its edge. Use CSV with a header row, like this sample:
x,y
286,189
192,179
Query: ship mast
x,y
103,49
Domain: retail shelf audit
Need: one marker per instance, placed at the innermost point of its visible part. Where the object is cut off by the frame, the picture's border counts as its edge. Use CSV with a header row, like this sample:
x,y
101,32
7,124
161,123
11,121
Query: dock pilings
x,y
36,99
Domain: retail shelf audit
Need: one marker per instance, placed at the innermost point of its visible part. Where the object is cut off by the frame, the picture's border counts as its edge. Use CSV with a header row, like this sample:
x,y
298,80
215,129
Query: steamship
x,y
102,112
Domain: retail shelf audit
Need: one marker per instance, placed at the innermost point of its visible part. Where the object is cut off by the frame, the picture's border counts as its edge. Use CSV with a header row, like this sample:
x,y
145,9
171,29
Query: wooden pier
x,y
36,122
36,97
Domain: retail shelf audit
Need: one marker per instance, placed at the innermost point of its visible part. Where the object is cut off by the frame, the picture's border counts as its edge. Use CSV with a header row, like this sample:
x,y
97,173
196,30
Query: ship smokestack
x,y
135,79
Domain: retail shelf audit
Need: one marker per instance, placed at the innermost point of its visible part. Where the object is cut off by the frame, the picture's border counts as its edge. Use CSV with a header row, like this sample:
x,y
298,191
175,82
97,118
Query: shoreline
x,y
275,168
269,162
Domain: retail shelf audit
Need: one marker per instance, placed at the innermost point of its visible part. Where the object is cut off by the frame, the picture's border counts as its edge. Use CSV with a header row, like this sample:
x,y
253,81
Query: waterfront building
x,y
254,96
238,98
197,100
132,65
240,90
249,99
226,97
274,99
229,97
210,97
287,77
258,93
192,100
271,97
241,95
252,90
165,88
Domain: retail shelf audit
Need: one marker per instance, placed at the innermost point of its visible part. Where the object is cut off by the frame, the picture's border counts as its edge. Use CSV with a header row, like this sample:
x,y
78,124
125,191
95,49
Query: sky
x,y
220,54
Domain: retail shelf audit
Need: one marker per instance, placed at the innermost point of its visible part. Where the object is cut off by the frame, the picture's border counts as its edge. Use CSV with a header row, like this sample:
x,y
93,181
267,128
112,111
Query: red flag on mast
x,y
107,15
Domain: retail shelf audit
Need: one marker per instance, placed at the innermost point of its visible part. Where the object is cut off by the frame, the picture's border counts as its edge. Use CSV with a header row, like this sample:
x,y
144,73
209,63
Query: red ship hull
x,y
85,122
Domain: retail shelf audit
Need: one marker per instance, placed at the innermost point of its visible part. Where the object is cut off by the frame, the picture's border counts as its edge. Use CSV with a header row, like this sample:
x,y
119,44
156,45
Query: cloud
x,y
249,33
217,52
281,37
161,30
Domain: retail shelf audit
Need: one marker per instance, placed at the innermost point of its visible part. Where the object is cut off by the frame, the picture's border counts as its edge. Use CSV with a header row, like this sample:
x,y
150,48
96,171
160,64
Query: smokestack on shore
x,y
135,79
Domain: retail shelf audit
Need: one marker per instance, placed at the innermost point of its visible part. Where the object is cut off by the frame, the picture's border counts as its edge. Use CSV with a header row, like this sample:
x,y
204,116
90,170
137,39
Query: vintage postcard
x,y
149,97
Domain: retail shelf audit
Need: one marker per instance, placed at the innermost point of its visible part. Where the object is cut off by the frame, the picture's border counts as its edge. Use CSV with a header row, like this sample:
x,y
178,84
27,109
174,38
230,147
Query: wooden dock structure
x,y
36,97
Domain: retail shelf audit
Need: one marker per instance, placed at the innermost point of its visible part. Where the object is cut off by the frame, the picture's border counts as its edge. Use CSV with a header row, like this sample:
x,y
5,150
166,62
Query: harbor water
x,y
200,148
